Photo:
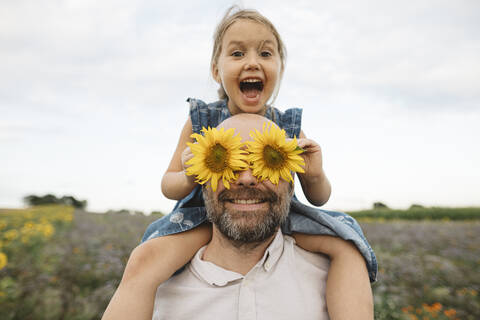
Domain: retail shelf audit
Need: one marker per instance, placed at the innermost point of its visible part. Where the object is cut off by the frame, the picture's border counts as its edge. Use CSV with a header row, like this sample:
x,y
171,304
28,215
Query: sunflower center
x,y
216,160
273,157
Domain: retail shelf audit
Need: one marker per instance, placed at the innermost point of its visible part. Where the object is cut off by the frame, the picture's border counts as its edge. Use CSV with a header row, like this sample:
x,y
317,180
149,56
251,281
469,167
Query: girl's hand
x,y
175,183
315,184
186,155
312,156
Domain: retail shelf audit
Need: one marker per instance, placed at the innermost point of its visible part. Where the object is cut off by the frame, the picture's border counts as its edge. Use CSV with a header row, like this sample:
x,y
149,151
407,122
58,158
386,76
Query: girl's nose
x,y
252,62
246,179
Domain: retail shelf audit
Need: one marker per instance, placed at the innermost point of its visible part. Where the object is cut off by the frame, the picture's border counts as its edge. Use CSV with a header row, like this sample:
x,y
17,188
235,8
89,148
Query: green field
x,y
418,213
59,264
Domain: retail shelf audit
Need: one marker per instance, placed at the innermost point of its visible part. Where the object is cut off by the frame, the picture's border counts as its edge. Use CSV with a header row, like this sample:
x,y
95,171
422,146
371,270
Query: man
x,y
249,269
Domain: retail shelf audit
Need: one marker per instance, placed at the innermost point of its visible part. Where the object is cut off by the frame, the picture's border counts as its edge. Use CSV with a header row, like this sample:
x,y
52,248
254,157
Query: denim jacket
x,y
190,211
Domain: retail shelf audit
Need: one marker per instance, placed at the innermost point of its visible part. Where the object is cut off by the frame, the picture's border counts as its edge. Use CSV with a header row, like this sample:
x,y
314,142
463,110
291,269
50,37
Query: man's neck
x,y
233,256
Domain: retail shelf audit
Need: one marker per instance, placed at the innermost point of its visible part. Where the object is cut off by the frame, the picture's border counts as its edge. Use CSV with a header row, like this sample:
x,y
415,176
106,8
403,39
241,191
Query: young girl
x,y
248,62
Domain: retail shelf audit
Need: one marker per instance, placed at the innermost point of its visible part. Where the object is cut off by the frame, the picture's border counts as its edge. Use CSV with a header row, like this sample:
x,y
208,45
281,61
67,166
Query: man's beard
x,y
252,227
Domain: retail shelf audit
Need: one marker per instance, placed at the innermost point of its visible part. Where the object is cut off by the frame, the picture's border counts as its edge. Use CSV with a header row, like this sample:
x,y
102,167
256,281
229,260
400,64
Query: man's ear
x,y
216,74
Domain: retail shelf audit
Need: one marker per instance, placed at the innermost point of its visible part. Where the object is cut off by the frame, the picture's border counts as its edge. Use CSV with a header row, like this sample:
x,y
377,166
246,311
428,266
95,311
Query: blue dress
x,y
190,211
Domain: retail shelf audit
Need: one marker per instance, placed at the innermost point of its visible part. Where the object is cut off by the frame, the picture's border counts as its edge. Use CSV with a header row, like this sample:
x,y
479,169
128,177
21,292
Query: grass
x,y
420,213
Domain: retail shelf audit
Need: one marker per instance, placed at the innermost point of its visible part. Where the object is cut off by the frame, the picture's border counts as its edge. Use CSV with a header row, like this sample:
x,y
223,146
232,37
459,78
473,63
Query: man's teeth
x,y
252,80
246,201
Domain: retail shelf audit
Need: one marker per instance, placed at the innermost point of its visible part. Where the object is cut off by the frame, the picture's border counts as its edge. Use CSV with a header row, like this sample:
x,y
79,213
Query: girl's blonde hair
x,y
227,20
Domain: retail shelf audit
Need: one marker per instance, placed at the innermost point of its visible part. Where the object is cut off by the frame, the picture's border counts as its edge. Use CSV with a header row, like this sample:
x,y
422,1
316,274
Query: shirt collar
x,y
217,276
273,252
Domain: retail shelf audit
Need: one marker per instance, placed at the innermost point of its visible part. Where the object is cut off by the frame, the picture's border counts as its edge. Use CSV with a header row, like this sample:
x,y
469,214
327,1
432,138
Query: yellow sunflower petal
x,y
226,184
214,181
286,175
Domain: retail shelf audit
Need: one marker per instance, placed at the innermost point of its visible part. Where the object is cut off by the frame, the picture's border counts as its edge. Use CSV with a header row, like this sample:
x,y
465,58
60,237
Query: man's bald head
x,y
244,123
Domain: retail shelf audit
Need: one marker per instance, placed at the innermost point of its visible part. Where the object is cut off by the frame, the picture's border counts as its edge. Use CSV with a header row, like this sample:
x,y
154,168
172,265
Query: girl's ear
x,y
215,74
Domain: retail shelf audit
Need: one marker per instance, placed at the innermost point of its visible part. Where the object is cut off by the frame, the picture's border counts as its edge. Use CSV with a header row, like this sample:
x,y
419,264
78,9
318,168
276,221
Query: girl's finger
x,y
305,143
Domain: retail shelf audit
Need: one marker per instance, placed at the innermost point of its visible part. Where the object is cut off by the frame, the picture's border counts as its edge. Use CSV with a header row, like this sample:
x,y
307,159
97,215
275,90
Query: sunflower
x,y
216,155
3,260
271,156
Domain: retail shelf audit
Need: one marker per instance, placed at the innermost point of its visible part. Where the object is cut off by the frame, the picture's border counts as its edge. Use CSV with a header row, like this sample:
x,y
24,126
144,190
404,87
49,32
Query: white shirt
x,y
287,283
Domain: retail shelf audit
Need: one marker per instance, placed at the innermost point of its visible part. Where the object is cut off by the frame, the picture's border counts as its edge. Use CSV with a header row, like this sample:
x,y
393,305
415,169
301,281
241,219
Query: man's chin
x,y
246,221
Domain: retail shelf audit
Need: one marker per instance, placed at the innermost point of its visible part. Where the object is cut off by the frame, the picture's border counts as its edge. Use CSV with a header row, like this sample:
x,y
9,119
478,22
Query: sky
x,y
92,96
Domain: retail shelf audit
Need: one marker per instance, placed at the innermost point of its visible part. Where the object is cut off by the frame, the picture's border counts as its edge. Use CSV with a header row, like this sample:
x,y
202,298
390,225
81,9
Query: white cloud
x,y
424,54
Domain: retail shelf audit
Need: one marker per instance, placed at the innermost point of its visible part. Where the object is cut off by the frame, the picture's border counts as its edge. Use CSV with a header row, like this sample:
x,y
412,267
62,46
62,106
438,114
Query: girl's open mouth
x,y
251,88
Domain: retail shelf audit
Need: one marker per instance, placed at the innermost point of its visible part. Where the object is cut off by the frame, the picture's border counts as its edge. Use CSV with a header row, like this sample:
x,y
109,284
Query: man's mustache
x,y
247,193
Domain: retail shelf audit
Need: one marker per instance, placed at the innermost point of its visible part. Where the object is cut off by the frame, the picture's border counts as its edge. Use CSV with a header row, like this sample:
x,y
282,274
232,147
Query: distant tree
x,y
33,200
121,211
379,205
160,213
416,206
71,201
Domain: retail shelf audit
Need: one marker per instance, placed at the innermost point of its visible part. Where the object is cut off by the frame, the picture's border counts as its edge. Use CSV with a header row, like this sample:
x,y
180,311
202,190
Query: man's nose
x,y
246,179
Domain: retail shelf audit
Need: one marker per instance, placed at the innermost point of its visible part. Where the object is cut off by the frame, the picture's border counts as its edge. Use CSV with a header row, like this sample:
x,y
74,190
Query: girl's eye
x,y
266,54
237,53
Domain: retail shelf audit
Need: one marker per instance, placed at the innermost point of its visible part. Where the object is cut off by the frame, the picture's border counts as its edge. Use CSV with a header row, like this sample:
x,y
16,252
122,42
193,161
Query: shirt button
x,y
267,265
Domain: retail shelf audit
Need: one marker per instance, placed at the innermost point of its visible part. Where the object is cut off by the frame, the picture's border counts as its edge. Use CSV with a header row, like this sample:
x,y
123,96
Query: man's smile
x,y
246,201
246,204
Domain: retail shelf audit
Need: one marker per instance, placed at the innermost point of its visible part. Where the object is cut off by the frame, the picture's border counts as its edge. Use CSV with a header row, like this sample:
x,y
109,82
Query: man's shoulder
x,y
182,276
302,256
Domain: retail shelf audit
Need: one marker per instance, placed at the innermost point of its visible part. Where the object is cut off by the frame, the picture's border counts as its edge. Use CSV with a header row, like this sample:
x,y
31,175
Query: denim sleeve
x,y
291,121
187,214
198,114
205,115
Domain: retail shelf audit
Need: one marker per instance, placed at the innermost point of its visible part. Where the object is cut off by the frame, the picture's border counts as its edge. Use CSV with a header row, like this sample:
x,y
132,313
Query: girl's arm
x,y
349,295
175,183
150,264
315,184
